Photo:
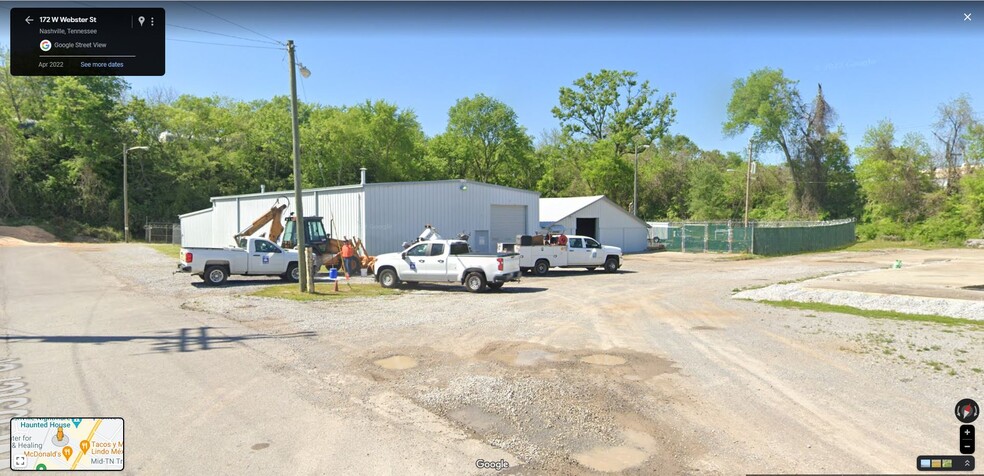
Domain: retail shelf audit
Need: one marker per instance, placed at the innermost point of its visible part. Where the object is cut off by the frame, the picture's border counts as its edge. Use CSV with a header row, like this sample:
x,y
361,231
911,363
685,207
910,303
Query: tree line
x,y
61,141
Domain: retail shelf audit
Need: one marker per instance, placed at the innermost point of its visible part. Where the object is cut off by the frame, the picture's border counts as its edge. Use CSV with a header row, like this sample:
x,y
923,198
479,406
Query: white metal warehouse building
x,y
384,215
597,217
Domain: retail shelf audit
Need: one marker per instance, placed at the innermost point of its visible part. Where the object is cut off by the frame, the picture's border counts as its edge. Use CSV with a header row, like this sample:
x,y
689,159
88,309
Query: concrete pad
x,y
948,274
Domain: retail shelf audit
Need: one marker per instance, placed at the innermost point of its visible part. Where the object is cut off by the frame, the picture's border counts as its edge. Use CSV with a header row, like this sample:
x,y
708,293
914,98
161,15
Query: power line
x,y
216,33
233,23
225,44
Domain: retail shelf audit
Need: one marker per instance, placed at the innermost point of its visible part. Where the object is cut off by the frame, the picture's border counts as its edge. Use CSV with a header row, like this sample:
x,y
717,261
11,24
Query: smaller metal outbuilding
x,y
196,228
597,217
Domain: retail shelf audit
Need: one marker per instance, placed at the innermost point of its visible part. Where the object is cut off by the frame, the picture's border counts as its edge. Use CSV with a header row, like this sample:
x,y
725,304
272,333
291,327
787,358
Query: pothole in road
x,y
611,459
603,359
634,365
397,362
568,411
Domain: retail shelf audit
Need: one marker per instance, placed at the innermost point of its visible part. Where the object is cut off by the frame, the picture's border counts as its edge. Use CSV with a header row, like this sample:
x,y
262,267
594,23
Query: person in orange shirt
x,y
348,258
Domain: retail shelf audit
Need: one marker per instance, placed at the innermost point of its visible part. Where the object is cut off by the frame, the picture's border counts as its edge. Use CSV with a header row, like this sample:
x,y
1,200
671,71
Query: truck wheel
x,y
494,286
475,282
541,267
388,278
293,274
215,275
611,265
591,268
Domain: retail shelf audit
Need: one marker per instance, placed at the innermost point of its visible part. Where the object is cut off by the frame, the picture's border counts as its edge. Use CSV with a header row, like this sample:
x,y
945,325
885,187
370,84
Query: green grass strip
x,y
876,314
324,292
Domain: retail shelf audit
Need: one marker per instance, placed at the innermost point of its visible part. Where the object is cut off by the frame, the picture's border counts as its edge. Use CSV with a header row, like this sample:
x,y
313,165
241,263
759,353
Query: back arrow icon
x,y
28,19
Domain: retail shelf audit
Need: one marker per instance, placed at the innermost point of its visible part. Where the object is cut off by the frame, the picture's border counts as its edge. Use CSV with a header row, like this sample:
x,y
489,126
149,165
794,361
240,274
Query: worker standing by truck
x,y
348,258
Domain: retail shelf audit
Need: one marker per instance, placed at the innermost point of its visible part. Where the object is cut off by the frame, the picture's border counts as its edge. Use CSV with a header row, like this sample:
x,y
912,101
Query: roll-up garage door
x,y
507,222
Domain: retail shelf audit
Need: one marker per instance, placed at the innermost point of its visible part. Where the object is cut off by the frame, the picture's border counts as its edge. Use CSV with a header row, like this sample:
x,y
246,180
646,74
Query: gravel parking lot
x,y
652,369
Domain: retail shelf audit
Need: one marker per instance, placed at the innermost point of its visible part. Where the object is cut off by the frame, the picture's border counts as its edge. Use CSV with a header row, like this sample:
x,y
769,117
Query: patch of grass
x,y
976,370
738,257
876,314
168,249
324,292
788,281
935,365
960,351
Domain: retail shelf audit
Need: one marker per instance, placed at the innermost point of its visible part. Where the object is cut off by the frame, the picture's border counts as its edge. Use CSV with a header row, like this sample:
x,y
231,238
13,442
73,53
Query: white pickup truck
x,y
447,261
253,257
580,252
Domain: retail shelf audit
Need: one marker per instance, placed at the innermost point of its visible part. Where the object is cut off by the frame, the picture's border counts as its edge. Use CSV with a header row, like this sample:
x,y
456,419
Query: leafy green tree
x,y
387,141
484,141
607,174
614,106
716,186
664,174
771,104
894,180
954,120
561,158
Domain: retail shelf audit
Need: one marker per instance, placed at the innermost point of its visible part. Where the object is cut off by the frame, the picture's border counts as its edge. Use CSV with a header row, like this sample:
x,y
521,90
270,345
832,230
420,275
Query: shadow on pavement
x,y
457,288
242,283
182,340
577,272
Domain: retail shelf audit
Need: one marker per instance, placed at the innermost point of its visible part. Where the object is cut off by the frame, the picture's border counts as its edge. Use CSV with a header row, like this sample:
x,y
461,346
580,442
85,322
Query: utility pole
x,y
126,202
298,202
635,183
126,198
748,181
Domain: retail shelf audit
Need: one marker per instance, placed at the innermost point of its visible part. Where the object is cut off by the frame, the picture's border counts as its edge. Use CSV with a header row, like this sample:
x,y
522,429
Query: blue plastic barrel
x,y
333,273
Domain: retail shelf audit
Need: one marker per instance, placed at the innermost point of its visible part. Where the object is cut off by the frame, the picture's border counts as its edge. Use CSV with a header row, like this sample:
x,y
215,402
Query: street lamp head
x,y
139,147
306,73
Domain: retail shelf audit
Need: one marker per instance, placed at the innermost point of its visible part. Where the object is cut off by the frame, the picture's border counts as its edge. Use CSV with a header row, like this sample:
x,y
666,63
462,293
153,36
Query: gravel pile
x,y
884,302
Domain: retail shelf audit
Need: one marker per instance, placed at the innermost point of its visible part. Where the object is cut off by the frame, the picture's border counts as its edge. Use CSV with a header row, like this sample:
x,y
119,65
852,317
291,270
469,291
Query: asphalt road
x,y
652,370
199,394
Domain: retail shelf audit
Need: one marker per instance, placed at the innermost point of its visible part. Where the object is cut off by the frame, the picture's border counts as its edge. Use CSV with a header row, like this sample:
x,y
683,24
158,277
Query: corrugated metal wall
x,y
196,228
616,227
384,214
232,214
398,211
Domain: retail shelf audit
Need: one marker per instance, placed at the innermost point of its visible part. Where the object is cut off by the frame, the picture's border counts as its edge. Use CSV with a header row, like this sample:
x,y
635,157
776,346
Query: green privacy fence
x,y
762,238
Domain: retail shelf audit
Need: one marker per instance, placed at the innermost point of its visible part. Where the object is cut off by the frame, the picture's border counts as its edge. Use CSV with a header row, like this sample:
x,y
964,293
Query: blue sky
x,y
875,60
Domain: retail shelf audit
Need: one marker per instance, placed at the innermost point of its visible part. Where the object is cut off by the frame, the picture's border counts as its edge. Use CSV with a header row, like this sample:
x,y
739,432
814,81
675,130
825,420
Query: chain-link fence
x,y
160,232
763,238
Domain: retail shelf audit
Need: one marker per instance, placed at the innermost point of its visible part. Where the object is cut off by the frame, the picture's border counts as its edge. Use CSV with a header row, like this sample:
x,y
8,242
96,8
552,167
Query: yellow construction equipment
x,y
276,228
